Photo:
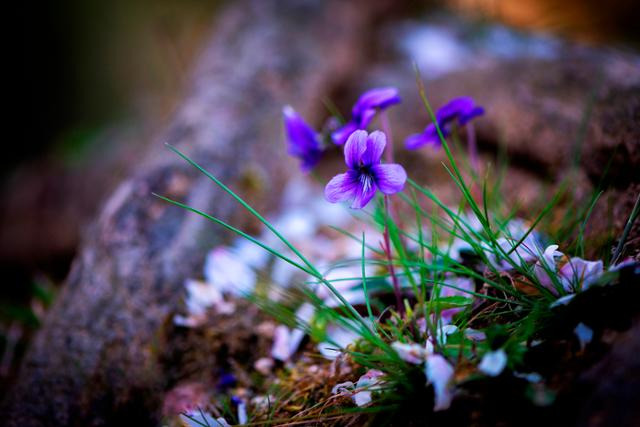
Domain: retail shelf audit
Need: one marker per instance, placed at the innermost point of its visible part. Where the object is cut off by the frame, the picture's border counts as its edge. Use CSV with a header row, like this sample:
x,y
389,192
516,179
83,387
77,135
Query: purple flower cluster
x,y
365,174
306,144
461,109
363,152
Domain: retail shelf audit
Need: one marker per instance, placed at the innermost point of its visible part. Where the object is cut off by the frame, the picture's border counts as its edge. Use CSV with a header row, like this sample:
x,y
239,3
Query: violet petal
x,y
390,178
463,119
364,193
343,133
341,187
379,98
580,274
355,148
375,147
303,141
428,137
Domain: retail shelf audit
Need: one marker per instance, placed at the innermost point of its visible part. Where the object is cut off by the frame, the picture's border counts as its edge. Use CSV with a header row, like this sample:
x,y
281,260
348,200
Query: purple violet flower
x,y
362,154
304,142
461,109
364,111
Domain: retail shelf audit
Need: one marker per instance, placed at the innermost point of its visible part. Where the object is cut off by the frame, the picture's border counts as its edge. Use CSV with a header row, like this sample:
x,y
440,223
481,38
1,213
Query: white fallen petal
x,y
186,321
445,331
263,402
296,224
371,378
584,334
412,353
352,297
456,248
200,418
439,373
200,296
428,347
338,214
493,363
285,342
250,253
362,398
532,377
367,383
562,300
242,413
305,313
264,365
228,273
283,273
339,337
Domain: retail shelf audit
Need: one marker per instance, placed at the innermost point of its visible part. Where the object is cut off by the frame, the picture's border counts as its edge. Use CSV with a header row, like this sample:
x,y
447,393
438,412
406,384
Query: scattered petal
x,y
338,339
228,273
584,334
264,365
199,418
562,300
285,342
532,377
252,254
412,353
370,381
439,373
242,412
493,363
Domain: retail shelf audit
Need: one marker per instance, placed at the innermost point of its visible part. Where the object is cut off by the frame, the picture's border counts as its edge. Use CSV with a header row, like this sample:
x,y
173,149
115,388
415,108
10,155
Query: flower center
x,y
366,179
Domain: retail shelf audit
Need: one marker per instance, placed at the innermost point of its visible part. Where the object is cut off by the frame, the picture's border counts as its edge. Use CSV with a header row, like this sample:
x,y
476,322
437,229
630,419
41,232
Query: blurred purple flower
x,y
579,274
226,381
575,275
304,142
364,110
461,109
366,174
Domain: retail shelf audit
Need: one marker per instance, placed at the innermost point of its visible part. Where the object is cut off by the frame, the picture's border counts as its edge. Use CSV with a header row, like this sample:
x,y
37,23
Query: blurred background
x,y
98,80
